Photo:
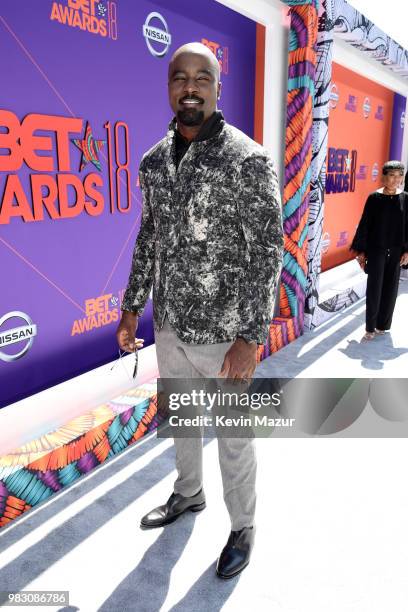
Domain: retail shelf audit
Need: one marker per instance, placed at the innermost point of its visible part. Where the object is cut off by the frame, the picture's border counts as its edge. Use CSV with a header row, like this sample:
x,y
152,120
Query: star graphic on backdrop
x,y
348,163
90,148
102,9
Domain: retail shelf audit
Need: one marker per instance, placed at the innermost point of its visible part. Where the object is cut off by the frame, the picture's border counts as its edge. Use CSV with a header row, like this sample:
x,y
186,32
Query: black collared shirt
x,y
210,128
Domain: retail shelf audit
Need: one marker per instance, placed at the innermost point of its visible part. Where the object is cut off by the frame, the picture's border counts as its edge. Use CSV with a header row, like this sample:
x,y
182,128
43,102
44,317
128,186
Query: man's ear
x,y
219,87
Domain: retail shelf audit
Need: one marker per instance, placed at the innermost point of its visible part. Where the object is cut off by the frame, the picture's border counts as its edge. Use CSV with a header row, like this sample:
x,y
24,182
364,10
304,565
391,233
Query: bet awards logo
x,y
221,53
99,311
379,113
14,335
341,170
362,173
94,16
54,188
334,96
343,239
351,105
158,39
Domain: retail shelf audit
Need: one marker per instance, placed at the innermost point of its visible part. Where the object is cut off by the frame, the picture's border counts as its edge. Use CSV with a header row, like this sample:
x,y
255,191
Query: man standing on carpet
x,y
210,243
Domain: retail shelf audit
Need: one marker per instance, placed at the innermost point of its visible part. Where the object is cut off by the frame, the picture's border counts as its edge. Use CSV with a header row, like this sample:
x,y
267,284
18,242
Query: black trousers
x,y
383,272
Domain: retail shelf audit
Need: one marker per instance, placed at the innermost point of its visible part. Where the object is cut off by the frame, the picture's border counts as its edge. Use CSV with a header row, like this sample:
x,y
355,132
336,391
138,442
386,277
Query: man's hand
x,y
404,259
361,259
126,332
239,361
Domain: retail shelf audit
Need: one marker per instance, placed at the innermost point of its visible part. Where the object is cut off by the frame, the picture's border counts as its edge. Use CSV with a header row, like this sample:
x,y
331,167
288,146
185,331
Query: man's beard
x,y
190,117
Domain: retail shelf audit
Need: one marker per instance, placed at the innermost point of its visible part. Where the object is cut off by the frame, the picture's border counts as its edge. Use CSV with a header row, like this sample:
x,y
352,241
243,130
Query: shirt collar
x,y
381,190
209,129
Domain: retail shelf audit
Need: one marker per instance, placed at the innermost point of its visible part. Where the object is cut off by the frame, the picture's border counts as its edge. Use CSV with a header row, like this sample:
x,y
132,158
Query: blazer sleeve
x,y
142,266
360,240
260,211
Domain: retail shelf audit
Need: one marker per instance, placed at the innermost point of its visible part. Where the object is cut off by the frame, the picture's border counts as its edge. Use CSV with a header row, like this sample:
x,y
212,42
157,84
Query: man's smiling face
x,y
194,87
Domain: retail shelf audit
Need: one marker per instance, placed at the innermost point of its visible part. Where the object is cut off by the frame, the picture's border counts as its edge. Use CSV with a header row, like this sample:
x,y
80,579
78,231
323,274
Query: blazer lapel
x,y
169,161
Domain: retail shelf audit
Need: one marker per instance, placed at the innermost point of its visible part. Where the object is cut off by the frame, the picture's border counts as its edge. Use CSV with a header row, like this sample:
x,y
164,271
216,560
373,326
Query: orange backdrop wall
x,y
359,142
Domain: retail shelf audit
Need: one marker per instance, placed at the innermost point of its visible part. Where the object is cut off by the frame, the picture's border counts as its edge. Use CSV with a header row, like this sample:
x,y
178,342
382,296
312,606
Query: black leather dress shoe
x,y
236,553
173,508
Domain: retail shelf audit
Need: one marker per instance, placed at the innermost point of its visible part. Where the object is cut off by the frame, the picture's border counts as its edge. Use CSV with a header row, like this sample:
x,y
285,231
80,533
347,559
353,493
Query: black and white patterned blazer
x,y
210,239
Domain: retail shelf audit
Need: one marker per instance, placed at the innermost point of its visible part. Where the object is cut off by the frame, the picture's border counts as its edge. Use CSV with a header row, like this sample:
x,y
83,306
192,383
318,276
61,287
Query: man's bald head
x,y
194,86
197,49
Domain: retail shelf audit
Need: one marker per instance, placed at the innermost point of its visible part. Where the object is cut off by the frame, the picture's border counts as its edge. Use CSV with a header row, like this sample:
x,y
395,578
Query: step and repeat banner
x,y
366,127
83,95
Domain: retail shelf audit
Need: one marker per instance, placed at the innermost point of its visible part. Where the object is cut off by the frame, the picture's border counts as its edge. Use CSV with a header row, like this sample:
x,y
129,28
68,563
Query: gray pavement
x,y
331,513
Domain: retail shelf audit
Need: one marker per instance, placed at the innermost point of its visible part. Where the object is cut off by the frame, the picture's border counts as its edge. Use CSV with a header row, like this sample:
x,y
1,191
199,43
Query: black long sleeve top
x,y
384,223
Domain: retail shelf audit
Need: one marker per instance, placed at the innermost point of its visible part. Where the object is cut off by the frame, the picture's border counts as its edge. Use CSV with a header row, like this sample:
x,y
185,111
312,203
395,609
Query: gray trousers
x,y
237,456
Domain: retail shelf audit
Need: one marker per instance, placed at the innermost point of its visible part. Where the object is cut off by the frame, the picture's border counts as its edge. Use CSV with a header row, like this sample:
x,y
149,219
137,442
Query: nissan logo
x,y
366,107
158,39
334,96
23,333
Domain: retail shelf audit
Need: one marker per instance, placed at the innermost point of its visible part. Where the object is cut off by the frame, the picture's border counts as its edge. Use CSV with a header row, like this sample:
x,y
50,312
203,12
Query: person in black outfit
x,y
381,245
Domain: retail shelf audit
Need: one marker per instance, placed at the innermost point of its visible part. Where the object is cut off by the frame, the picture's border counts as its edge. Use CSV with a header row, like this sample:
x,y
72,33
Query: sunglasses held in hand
x,y
138,344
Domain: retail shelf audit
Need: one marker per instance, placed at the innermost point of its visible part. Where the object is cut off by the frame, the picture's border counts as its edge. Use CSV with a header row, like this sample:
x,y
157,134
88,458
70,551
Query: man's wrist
x,y
130,313
247,340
